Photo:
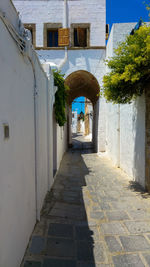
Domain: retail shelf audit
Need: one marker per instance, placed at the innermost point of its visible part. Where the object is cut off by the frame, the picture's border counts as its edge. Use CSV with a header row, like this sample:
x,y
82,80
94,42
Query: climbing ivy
x,y
129,68
60,98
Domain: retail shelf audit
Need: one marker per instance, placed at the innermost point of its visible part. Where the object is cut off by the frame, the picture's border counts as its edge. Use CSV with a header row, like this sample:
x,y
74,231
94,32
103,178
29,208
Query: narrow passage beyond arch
x,y
83,83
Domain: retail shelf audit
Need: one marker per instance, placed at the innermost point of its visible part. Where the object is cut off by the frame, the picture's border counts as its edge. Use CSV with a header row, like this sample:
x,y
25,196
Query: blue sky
x,y
78,106
121,11
125,11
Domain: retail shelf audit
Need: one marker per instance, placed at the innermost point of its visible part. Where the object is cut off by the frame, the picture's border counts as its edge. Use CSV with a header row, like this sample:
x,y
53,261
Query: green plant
x,y
60,98
129,68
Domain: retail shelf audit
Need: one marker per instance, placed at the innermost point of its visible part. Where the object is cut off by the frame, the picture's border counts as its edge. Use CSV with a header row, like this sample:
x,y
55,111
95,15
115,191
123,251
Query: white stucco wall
x,y
74,121
42,141
17,175
125,124
61,143
132,139
81,11
22,189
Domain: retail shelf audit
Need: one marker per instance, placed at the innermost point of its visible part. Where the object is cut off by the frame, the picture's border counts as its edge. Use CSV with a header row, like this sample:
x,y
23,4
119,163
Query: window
x,y
107,31
52,38
31,28
6,131
80,35
51,34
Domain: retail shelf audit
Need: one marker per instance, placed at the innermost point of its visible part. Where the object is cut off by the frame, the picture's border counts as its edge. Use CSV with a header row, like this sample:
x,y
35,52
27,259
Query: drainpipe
x,y
35,137
65,25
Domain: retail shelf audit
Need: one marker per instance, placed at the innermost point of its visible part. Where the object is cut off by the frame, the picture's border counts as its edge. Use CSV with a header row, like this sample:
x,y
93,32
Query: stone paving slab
x,y
135,243
32,264
59,263
113,244
135,227
94,216
60,247
113,228
128,260
147,258
117,215
60,230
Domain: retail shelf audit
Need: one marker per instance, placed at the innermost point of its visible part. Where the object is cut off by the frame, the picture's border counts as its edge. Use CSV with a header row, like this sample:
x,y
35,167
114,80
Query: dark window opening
x,y
52,38
80,37
107,31
6,131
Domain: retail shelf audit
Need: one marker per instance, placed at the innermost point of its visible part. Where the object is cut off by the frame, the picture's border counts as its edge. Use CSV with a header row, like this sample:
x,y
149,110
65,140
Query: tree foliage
x,y
60,98
129,68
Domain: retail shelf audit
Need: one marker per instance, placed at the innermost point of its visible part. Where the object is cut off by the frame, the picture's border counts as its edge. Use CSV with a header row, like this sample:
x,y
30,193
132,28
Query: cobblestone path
x,y
93,217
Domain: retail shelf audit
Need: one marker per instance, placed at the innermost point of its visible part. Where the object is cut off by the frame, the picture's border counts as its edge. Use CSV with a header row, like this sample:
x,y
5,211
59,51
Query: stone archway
x,y
83,83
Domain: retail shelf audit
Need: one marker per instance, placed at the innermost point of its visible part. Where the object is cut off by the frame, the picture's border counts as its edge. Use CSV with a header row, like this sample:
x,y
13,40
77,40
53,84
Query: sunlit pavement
x,y
93,216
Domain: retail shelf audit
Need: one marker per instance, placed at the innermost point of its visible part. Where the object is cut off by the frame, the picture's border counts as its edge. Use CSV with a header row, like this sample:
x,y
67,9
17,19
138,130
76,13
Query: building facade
x,y
86,21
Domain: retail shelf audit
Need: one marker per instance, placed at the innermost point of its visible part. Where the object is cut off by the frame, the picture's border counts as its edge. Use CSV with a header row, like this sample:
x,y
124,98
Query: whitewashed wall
x,y
81,11
125,124
17,161
61,143
74,121
22,190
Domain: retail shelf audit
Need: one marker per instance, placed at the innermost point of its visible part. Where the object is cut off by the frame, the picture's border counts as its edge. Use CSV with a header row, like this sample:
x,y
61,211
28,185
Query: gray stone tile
x,y
99,252
134,243
122,205
139,214
59,263
114,228
127,260
85,251
41,227
86,264
113,244
88,251
147,258
117,215
91,264
37,245
135,227
105,206
59,247
32,264
96,208
98,215
86,233
60,230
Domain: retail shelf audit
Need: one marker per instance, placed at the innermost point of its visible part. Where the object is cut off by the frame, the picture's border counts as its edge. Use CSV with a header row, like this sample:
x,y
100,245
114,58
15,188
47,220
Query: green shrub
x,y
129,68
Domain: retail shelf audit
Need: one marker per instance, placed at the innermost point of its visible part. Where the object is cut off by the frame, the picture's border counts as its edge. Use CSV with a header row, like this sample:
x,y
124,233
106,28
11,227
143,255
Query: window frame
x,y
84,26
32,26
50,27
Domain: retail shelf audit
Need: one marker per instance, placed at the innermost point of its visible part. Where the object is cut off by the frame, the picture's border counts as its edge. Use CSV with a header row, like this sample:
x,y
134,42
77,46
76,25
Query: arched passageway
x,y
83,83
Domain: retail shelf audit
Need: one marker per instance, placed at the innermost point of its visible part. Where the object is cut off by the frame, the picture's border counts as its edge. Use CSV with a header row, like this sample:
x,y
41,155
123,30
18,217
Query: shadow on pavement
x,y
63,237
79,143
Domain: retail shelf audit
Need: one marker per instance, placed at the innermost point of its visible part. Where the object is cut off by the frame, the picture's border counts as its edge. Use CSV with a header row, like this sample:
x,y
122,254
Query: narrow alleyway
x,y
93,217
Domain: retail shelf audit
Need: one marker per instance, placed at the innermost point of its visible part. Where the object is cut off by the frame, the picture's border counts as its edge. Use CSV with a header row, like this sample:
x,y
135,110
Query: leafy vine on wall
x,y
60,98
